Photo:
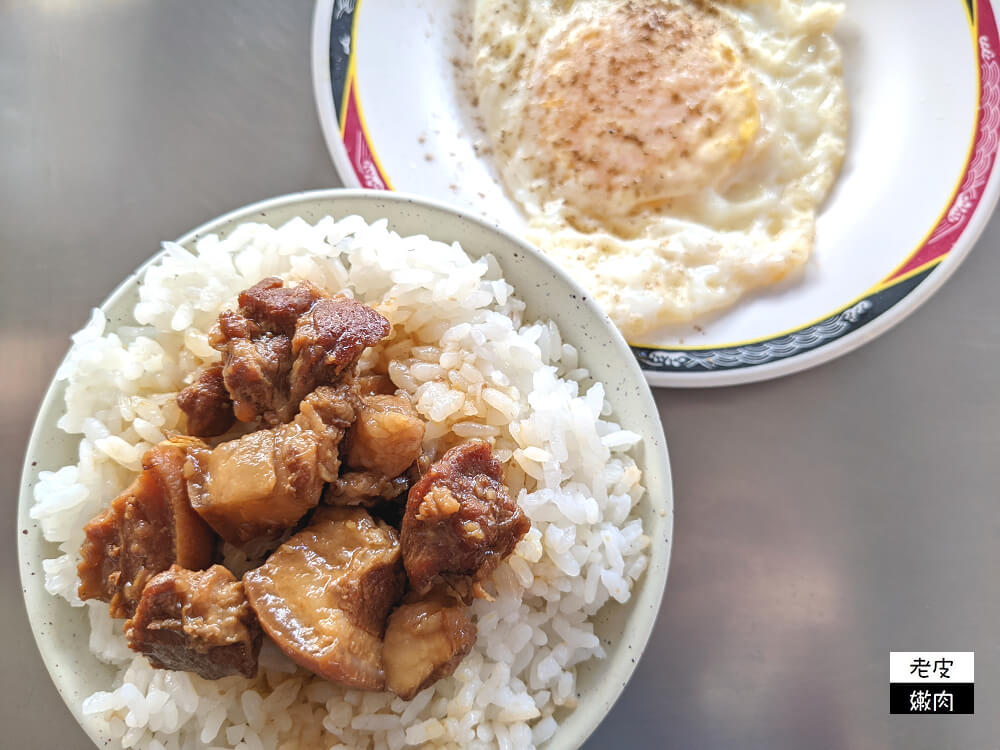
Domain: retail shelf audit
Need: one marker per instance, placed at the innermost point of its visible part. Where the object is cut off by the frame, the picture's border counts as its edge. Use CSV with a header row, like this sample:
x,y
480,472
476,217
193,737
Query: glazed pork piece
x,y
425,640
207,405
144,531
256,345
323,595
196,621
387,435
283,342
373,384
364,488
460,520
382,444
258,486
329,339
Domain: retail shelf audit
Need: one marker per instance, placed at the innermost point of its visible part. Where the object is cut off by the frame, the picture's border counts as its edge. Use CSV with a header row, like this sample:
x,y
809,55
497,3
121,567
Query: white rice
x,y
473,369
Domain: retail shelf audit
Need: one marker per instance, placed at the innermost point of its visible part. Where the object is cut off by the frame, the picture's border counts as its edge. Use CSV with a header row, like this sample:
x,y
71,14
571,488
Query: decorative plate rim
x,y
923,271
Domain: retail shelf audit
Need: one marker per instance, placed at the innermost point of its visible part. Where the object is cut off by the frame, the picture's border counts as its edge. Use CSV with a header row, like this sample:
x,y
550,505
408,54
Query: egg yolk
x,y
642,107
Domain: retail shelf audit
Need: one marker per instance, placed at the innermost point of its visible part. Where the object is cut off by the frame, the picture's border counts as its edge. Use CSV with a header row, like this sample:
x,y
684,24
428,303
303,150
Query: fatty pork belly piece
x,y
373,384
387,435
258,486
144,531
256,345
460,520
283,342
382,444
196,621
323,595
207,405
425,641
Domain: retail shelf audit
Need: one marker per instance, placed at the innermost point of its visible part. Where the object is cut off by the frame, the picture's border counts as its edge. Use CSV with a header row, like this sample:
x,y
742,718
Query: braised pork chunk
x,y
283,342
207,405
276,307
256,346
323,595
329,339
425,640
460,519
364,488
373,384
146,529
257,487
387,435
196,621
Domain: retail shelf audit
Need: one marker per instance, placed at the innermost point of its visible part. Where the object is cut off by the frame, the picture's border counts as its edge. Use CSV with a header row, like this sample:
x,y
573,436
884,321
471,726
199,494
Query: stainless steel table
x,y
821,520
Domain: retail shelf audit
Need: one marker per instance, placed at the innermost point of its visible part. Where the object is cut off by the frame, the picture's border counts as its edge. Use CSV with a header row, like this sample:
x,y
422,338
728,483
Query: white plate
x,y
917,187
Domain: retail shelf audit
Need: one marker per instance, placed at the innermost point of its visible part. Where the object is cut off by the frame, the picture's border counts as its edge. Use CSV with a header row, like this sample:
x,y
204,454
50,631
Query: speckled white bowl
x,y
62,631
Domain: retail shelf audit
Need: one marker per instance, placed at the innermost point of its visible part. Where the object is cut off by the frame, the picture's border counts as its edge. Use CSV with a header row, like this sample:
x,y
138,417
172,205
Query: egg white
x,y
661,232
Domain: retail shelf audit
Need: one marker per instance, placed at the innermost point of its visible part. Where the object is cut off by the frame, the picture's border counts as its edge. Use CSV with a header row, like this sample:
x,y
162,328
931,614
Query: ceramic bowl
x,y
61,631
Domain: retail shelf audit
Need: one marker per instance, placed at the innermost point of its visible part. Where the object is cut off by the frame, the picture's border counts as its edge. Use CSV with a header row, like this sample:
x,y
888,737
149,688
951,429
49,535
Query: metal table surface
x,y
822,520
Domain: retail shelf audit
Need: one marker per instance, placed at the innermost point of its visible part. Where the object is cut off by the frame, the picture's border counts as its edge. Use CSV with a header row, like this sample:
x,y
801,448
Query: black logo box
x,y
902,698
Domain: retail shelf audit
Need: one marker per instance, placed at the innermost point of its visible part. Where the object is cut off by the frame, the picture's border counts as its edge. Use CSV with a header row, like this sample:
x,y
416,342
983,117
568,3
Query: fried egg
x,y
671,154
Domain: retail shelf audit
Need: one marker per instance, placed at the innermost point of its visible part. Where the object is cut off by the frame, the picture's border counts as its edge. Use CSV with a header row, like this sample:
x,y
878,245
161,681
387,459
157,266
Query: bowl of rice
x,y
491,341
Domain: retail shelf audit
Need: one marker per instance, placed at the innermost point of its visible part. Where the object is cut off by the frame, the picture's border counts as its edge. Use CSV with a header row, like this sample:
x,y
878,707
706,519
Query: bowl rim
x,y
654,579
